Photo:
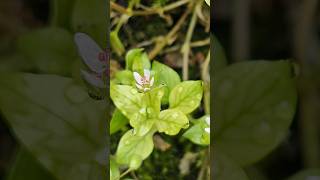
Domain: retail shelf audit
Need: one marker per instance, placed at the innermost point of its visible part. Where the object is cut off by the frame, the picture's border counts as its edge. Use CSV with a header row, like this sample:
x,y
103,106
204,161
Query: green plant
x,y
138,94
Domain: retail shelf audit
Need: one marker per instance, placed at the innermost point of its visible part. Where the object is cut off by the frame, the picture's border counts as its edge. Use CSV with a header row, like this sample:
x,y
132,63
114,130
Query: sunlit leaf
x,y
127,99
197,133
186,96
171,121
124,77
118,121
133,149
114,169
137,60
164,75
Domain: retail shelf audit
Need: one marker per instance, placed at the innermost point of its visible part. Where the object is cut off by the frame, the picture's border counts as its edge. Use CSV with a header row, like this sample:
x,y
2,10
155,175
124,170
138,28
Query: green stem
x,y
125,173
206,79
186,46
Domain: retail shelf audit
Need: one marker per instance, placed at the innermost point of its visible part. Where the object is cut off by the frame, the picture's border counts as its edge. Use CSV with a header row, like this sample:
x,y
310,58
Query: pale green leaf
x,y
197,133
254,104
124,77
118,121
137,60
133,149
134,106
186,96
127,99
164,75
114,169
171,121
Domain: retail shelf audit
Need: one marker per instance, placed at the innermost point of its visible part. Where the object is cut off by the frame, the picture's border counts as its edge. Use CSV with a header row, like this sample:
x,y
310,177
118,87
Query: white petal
x,y
90,52
93,79
207,130
146,74
137,77
152,81
146,89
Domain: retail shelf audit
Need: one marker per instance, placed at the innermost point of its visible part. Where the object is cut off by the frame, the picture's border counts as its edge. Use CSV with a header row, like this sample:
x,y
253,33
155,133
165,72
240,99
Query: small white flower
x,y
208,122
145,82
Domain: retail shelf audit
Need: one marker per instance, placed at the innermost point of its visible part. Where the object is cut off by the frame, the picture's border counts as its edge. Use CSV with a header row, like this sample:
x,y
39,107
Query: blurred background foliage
x,y
37,36
273,30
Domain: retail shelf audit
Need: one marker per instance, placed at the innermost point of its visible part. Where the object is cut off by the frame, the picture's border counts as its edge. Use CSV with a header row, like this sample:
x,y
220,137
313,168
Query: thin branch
x,y
186,46
200,43
161,41
149,11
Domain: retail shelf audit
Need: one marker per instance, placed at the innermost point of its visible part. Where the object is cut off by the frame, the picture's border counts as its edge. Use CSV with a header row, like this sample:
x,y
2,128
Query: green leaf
x,y
167,76
140,108
133,105
127,99
133,149
124,77
118,121
153,99
114,169
150,112
137,60
60,11
225,168
49,50
186,96
90,17
27,167
52,116
306,174
197,133
171,121
254,104
140,63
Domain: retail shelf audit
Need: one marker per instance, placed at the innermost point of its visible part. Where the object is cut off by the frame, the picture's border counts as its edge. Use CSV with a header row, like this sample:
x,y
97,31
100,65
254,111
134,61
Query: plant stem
x,y
186,46
134,175
125,173
204,166
206,79
200,43
150,11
